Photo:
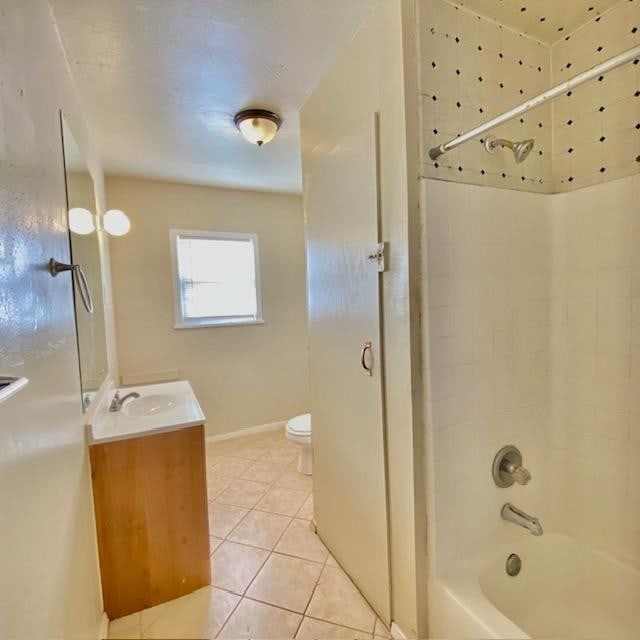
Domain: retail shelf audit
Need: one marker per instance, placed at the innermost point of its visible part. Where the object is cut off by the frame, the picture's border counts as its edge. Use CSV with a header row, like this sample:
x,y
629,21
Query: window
x,y
216,278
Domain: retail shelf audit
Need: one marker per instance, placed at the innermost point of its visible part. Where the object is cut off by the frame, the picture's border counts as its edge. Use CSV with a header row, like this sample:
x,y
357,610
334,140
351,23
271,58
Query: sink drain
x,y
513,565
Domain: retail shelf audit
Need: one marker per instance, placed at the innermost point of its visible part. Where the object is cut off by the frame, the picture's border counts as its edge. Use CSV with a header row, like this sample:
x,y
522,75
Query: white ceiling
x,y
546,20
160,81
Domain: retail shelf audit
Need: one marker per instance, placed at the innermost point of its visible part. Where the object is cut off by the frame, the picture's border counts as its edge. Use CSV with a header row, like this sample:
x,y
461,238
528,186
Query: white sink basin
x,y
150,405
161,407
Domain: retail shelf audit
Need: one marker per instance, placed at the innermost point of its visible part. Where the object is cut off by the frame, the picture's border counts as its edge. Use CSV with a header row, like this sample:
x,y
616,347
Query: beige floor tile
x,y
312,629
337,600
294,480
380,630
300,540
198,615
212,459
306,510
279,456
332,562
284,501
234,566
214,543
250,451
223,518
126,627
243,493
230,467
216,484
150,615
257,620
260,529
285,582
264,471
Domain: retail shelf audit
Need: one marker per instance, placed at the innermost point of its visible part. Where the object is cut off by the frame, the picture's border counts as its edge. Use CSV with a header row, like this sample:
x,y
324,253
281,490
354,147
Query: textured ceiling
x,y
160,81
546,20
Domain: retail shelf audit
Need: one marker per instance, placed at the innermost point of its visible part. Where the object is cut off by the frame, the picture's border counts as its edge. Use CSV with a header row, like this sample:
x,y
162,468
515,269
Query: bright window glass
x,y
216,278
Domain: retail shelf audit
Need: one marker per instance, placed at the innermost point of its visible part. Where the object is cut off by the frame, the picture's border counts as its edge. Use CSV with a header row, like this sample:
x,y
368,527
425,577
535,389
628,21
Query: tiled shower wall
x,y
472,69
593,467
489,313
596,127
533,307
532,299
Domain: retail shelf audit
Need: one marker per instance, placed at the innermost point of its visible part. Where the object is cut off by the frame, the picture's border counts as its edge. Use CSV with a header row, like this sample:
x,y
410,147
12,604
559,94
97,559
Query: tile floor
x,y
271,575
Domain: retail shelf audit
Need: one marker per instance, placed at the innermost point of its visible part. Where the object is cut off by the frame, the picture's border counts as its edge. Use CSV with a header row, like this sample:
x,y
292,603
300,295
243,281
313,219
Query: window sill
x,y
224,323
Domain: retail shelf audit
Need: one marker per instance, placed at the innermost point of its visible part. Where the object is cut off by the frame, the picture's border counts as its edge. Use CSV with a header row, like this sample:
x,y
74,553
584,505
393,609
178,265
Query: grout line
x,y
272,550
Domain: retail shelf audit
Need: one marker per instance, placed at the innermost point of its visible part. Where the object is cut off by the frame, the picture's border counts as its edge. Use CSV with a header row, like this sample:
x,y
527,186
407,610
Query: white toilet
x,y
298,430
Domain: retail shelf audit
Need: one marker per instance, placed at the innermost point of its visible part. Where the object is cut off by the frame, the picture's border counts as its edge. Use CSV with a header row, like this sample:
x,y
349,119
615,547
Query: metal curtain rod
x,y
576,81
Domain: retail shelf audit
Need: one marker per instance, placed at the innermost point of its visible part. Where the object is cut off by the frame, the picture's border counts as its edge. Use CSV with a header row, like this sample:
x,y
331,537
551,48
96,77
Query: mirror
x,y
85,252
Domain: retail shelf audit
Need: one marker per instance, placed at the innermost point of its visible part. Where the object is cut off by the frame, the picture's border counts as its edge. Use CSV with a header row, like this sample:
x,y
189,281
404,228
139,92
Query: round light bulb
x,y
81,221
258,130
116,222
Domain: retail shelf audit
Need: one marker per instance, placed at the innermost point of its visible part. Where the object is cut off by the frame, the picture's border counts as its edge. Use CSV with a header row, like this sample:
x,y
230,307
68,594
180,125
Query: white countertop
x,y
161,407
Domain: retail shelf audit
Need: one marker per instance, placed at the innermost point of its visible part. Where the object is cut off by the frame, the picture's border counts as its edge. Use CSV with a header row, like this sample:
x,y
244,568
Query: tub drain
x,y
514,564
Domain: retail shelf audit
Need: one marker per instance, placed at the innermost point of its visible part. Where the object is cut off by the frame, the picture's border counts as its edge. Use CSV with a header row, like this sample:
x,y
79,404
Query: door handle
x,y
366,348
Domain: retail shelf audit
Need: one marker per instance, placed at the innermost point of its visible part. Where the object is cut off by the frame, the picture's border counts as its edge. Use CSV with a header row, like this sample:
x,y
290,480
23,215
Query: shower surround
x,y
531,290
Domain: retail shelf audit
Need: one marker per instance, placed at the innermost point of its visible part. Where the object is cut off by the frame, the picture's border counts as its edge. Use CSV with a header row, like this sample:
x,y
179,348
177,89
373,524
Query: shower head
x,y
520,149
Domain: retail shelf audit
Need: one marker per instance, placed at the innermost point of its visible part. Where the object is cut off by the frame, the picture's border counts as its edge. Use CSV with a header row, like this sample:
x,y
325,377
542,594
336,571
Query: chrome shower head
x,y
520,149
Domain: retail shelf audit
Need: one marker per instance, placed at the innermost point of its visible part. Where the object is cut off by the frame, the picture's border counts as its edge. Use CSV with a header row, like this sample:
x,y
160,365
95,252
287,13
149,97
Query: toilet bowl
x,y
298,430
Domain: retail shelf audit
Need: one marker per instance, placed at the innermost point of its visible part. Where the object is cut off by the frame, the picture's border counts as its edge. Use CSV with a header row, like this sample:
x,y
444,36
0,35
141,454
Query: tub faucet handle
x,y
519,474
507,467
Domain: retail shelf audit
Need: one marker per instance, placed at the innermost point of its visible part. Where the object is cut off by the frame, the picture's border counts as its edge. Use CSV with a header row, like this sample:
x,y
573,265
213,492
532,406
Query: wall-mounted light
x,y
258,126
116,222
81,221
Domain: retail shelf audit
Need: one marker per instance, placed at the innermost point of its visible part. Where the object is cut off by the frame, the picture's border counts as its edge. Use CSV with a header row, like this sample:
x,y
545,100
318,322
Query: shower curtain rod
x,y
581,78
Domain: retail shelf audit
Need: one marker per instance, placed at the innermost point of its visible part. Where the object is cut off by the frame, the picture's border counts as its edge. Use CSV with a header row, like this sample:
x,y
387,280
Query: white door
x,y
349,483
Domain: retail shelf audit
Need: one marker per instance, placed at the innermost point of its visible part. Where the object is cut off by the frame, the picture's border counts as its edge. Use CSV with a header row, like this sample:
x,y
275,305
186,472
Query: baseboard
x,y
246,431
103,634
396,632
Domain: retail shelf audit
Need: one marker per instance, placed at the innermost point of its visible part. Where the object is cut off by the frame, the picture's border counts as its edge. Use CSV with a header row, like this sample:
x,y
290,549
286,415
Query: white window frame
x,y
227,321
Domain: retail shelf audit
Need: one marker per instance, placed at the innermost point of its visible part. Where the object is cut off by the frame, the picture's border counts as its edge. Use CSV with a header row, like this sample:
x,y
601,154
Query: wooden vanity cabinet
x,y
150,496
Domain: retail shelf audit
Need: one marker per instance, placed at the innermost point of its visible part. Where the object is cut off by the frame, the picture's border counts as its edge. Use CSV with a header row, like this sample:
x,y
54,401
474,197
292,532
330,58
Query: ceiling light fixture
x,y
258,126
116,222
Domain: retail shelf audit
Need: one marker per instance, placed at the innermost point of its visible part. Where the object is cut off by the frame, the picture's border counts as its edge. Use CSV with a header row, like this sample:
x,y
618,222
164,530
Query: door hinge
x,y
379,256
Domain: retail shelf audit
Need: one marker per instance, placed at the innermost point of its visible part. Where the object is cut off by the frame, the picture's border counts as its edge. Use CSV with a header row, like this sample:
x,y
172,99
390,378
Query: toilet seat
x,y
300,425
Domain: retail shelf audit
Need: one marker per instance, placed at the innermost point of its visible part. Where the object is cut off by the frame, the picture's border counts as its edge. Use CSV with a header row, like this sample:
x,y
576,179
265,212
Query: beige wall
x,y
49,583
243,376
370,77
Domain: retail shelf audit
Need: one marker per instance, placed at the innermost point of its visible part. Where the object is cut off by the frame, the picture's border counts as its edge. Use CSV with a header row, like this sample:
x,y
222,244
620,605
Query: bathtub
x,y
566,590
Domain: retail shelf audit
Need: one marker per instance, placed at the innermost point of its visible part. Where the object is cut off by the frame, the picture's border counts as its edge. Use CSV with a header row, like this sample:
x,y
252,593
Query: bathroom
x,y
406,404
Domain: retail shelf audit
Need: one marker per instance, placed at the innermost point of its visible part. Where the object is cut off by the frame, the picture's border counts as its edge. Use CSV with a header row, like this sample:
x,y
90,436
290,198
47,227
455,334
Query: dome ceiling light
x,y
258,126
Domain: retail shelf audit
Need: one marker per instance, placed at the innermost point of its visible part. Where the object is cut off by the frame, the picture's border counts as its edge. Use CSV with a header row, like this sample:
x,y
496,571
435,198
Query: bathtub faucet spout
x,y
522,519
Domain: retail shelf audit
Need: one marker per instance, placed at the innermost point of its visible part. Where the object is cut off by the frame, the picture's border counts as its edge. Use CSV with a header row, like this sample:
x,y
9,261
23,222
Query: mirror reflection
x,y
85,252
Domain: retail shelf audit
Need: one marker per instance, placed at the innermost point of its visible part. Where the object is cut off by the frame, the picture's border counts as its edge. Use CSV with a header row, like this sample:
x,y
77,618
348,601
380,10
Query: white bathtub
x,y
566,590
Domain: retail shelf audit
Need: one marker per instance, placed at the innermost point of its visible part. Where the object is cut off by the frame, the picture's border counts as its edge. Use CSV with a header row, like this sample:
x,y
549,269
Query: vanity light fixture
x,y
81,221
258,126
116,222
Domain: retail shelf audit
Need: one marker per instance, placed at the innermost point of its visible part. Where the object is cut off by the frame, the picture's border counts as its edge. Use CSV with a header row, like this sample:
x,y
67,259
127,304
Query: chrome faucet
x,y
522,519
118,402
